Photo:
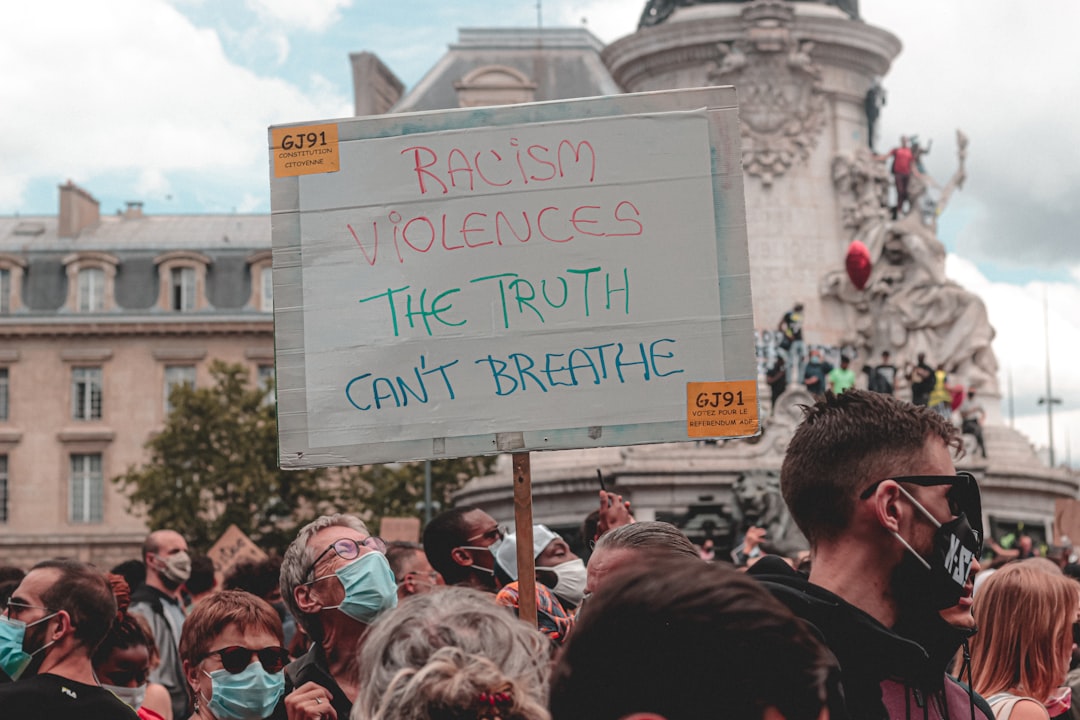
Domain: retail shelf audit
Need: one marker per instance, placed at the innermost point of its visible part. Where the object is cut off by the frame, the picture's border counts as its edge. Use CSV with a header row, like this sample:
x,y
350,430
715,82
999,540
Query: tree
x,y
215,464
397,489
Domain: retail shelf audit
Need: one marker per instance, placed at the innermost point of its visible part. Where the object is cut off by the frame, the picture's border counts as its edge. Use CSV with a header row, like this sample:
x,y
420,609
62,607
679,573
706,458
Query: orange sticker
x,y
721,409
305,150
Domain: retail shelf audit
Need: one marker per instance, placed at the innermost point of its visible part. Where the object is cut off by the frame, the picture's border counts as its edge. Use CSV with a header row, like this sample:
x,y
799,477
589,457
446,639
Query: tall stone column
x,y
802,71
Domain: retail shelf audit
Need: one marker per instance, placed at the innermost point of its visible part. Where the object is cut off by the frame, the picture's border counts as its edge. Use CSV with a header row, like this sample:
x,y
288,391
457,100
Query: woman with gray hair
x,y
335,580
452,653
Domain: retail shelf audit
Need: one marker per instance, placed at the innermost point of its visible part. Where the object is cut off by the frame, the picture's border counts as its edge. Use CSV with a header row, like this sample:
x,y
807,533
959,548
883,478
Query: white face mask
x,y
133,697
571,576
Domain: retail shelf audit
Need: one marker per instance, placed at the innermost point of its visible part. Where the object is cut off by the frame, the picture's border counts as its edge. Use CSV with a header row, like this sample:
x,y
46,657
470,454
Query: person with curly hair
x,y
452,654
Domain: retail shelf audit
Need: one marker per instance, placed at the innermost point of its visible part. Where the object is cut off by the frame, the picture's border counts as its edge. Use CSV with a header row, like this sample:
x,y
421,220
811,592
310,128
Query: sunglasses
x,y
963,494
349,549
236,658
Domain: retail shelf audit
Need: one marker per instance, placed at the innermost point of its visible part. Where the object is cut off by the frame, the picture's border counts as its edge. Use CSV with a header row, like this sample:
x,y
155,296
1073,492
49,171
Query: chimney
x,y
78,210
133,210
375,87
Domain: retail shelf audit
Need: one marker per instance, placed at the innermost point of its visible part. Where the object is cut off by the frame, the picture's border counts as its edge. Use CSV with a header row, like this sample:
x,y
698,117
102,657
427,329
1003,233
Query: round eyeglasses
x,y
349,549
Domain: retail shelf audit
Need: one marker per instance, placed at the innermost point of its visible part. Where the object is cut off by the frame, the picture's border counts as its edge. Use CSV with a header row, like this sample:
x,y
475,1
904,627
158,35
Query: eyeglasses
x,y
349,549
17,607
494,535
963,494
236,657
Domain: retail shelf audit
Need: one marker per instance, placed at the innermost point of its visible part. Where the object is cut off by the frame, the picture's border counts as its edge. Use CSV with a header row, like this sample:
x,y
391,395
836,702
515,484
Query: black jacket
x,y
869,654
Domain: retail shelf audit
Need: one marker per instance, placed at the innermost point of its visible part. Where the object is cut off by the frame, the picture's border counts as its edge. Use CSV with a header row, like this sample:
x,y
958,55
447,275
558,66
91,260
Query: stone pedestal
x,y
802,71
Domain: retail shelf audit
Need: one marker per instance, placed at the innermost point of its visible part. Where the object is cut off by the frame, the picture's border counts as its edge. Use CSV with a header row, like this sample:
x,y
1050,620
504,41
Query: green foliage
x,y
215,464
397,489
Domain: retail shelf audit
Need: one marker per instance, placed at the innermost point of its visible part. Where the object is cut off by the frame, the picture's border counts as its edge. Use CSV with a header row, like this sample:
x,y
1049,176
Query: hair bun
x,y
121,592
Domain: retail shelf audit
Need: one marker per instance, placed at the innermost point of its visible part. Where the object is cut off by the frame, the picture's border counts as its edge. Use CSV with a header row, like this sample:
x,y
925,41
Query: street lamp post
x,y
1050,401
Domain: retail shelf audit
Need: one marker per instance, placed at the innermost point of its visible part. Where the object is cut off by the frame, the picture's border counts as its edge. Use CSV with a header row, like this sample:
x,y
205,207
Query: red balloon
x,y
858,264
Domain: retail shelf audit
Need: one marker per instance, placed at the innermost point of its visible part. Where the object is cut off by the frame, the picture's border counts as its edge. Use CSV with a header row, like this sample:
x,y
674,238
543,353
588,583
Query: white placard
x,y
515,277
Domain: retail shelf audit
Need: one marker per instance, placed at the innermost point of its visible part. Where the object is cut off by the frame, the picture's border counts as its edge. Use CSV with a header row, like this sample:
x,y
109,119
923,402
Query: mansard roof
x,y
562,63
230,243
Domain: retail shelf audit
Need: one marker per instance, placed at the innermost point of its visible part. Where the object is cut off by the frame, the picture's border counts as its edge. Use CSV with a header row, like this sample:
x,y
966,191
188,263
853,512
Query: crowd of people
x,y
881,621
929,386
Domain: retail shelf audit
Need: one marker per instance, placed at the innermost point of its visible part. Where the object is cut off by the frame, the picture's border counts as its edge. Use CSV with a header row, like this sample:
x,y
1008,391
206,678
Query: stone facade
x,y
102,313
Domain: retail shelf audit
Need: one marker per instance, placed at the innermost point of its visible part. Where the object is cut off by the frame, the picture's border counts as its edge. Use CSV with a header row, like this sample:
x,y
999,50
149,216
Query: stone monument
x,y
809,81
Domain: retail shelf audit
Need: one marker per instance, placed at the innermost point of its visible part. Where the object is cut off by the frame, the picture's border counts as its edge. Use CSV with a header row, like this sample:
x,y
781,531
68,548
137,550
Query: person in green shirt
x,y
842,379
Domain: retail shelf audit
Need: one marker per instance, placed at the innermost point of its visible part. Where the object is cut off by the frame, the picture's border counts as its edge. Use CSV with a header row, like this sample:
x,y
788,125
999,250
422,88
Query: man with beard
x,y
894,531
55,618
461,544
168,566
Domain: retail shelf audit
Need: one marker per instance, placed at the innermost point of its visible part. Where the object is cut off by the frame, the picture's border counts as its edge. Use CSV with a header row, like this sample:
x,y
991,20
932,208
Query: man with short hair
x,y
841,379
55,618
168,566
460,544
895,532
883,377
921,377
791,342
412,571
336,582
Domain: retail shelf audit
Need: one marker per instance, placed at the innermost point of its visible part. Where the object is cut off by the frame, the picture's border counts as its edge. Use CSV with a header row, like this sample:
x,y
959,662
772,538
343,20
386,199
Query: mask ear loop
x,y
929,517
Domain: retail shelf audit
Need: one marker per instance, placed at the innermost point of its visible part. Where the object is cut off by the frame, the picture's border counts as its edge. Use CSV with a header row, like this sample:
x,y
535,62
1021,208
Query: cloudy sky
x,y
167,101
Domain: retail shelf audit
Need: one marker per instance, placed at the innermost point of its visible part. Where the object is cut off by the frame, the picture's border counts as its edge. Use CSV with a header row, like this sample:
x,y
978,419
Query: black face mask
x,y
941,577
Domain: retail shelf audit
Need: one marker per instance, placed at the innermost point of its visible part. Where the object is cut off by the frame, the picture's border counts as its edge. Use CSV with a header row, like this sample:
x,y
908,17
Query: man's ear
x,y
305,603
63,626
461,556
887,505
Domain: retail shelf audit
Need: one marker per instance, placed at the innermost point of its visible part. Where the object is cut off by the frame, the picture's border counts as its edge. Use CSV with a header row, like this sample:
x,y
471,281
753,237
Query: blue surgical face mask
x,y
369,588
251,694
13,658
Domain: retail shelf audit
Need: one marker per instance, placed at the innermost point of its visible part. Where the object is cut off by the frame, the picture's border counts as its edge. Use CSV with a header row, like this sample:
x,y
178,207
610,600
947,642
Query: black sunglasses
x,y
349,549
963,494
236,657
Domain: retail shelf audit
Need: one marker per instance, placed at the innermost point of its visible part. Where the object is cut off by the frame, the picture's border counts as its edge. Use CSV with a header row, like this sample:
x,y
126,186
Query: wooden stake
x,y
523,521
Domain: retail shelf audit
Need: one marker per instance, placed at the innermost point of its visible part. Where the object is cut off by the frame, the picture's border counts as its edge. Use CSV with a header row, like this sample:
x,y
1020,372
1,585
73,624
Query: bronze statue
x,y
657,11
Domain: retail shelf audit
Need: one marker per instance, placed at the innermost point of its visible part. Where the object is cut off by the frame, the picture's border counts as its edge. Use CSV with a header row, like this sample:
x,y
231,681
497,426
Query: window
x,y
266,381
5,291
86,393
177,375
3,489
3,394
91,289
267,286
182,289
87,489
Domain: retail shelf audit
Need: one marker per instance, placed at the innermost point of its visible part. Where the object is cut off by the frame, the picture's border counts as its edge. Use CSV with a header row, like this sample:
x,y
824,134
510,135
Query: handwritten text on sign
x,y
524,277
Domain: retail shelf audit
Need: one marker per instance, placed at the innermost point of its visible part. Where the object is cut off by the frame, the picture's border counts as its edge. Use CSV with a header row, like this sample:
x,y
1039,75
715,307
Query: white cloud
x,y
137,90
1017,313
308,15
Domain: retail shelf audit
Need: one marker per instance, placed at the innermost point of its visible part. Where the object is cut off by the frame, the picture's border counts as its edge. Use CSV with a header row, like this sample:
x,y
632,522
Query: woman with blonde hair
x,y
1020,655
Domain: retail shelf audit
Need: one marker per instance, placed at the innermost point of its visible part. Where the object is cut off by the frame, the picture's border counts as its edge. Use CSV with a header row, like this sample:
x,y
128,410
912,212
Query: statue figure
x,y
872,104
760,504
908,305
657,11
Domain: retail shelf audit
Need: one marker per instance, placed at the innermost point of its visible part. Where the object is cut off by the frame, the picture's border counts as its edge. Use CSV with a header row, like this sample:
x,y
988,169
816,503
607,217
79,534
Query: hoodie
x,y
883,674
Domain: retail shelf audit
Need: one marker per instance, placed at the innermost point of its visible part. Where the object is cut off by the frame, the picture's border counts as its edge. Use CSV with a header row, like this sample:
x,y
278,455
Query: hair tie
x,y
493,705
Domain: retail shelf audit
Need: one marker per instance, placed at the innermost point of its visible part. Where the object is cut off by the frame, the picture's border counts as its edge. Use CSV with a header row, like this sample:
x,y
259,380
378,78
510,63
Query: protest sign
x,y
232,547
482,280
